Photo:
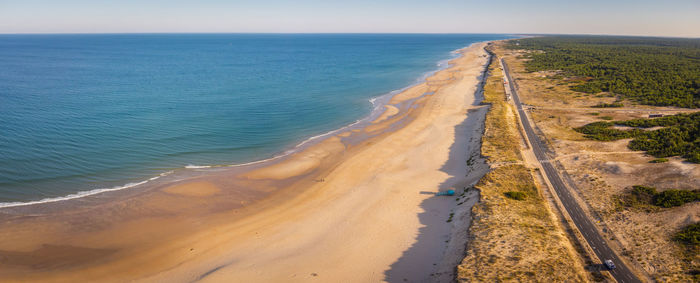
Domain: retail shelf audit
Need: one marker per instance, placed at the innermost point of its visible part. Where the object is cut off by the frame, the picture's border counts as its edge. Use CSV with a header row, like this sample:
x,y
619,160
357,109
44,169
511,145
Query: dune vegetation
x,y
644,196
679,135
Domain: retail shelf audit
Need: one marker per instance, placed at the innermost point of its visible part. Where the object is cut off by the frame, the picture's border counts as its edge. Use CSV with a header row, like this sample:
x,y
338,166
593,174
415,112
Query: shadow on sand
x,y
423,259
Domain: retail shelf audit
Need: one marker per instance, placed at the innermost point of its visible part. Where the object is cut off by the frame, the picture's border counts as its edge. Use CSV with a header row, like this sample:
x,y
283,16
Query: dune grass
x,y
500,141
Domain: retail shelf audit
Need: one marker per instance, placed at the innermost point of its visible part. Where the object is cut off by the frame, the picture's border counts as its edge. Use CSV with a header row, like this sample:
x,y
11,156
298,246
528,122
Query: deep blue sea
x,y
84,112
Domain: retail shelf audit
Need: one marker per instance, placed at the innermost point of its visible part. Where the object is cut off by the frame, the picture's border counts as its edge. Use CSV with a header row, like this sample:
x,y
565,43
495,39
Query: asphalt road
x,y
622,273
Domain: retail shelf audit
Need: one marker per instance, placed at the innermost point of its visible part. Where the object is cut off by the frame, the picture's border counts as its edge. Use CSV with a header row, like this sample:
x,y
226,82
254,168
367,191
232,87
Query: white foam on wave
x,y
327,134
83,193
190,166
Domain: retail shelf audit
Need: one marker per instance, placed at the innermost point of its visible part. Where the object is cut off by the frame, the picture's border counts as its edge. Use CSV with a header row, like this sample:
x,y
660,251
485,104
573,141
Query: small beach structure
x,y
446,193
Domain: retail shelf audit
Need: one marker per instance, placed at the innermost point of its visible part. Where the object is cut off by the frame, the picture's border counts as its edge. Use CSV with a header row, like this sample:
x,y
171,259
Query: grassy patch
x,y
500,142
608,118
659,160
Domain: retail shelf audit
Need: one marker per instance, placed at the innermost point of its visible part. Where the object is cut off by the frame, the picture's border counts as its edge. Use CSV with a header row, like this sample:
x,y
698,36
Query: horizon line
x,y
349,33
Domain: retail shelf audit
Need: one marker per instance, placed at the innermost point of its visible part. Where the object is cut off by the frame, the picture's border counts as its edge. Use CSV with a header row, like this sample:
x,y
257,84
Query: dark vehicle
x,y
609,264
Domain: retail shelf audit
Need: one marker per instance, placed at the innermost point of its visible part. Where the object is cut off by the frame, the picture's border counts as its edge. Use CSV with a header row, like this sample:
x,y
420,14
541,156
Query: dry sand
x,y
356,207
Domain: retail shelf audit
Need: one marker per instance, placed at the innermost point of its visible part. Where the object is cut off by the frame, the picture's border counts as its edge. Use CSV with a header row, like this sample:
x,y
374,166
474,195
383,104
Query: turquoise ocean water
x,y
87,112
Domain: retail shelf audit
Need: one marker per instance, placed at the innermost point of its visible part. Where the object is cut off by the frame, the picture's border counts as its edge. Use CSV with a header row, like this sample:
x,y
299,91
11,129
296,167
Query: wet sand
x,y
357,206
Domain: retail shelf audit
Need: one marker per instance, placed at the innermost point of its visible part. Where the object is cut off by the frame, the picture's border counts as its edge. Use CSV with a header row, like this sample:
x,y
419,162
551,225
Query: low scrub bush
x,y
609,105
671,198
515,195
642,196
690,235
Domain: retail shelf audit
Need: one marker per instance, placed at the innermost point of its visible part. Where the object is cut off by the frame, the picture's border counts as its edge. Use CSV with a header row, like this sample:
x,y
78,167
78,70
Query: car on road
x,y
609,264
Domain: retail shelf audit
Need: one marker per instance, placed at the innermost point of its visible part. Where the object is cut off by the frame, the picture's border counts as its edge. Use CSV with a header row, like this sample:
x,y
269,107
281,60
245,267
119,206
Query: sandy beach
x,y
358,206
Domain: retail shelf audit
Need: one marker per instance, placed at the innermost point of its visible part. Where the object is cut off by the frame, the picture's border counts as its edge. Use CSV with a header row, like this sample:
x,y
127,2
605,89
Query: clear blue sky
x,y
630,17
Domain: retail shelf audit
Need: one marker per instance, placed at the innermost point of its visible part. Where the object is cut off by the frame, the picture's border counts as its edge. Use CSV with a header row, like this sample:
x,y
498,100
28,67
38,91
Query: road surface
x,y
622,273
650,111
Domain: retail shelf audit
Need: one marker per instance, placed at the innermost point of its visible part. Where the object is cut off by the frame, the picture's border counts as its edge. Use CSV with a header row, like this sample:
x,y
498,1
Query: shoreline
x,y
321,211
378,103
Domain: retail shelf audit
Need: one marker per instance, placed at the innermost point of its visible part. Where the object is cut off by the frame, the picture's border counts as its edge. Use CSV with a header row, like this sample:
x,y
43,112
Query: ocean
x,y
85,112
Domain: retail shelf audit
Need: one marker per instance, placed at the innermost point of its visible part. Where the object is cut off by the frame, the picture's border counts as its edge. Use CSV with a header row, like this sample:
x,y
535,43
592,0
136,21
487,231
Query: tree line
x,y
652,71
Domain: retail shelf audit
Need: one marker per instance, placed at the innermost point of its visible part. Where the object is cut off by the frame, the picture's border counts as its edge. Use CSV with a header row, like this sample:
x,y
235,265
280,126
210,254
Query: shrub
x,y
515,195
690,235
609,105
642,195
601,131
606,118
694,156
643,190
671,198
659,160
